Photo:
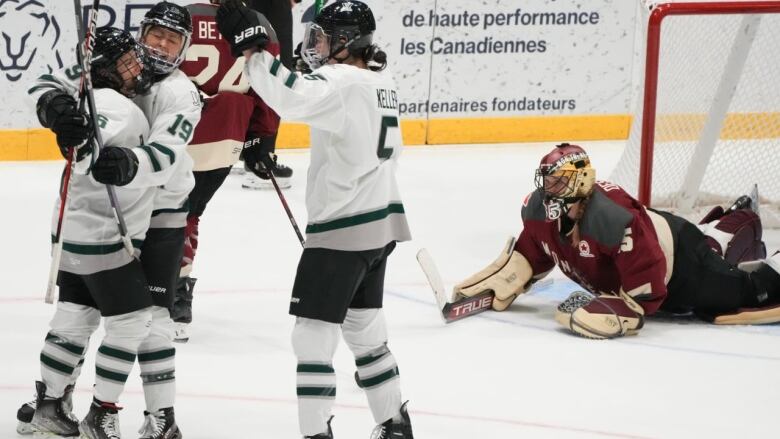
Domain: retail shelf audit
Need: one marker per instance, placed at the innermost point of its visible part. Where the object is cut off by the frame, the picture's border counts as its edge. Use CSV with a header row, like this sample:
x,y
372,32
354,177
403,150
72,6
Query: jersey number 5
x,y
383,151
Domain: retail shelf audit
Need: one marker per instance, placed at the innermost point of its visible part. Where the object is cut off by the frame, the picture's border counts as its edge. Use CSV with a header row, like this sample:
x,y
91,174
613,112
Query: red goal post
x,y
711,109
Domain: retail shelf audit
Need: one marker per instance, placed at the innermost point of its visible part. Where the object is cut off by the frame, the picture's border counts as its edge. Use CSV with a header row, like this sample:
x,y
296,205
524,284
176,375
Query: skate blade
x,y
24,428
44,435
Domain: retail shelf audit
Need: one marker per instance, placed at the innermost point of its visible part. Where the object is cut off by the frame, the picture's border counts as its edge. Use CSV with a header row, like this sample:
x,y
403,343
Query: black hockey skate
x,y
102,421
395,430
328,435
49,415
160,425
26,412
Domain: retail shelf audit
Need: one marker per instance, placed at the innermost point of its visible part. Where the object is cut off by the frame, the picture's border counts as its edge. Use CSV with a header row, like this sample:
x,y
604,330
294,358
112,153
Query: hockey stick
x,y
86,90
461,308
287,208
85,95
56,250
86,56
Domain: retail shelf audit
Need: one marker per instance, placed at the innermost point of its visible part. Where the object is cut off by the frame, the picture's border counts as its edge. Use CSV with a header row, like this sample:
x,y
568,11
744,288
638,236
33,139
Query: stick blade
x,y
468,306
451,311
434,278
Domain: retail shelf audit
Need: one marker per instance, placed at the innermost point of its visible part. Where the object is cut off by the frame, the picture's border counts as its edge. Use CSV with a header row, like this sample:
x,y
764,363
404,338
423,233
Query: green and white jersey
x,y
90,235
172,107
352,195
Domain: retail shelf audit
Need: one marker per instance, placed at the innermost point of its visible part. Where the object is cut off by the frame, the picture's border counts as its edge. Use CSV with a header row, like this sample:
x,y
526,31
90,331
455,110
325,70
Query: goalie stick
x,y
461,308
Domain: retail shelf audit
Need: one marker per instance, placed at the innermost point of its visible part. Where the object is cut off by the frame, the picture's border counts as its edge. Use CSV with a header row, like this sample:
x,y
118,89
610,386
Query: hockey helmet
x,y
175,18
565,176
119,62
345,24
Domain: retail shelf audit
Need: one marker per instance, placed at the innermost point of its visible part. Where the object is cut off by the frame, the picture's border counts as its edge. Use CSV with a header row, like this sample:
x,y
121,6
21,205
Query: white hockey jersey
x,y
90,235
172,107
352,195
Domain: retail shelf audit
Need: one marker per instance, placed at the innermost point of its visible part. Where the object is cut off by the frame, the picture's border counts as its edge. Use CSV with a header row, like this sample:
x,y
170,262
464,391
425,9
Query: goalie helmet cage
x,y
708,124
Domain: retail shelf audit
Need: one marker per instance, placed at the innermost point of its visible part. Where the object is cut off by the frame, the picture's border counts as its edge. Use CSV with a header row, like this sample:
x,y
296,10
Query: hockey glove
x,y
115,165
298,62
58,111
240,26
259,157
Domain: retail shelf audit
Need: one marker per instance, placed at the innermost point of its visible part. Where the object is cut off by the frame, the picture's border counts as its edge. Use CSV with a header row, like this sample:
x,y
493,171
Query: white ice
x,y
496,375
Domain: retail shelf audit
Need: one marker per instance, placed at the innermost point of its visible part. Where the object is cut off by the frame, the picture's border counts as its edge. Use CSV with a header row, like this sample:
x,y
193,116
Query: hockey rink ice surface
x,y
515,374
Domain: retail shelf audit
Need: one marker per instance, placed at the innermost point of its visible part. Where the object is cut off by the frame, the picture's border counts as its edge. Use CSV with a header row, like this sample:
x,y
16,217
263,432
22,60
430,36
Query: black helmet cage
x,y
173,17
106,71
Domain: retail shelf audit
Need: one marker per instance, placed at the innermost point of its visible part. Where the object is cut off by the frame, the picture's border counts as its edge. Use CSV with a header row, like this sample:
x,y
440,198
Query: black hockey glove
x,y
58,111
115,165
259,157
240,26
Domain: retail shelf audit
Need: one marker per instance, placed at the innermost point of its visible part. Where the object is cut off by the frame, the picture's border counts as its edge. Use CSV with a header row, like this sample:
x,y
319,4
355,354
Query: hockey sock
x,y
157,358
65,346
61,362
116,354
379,377
314,343
365,331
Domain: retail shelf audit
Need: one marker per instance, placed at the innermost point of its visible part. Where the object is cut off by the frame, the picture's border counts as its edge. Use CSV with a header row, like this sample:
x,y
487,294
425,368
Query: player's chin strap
x,y
339,49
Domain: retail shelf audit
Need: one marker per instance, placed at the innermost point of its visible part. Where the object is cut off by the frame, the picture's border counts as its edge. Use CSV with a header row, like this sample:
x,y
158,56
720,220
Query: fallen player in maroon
x,y
632,260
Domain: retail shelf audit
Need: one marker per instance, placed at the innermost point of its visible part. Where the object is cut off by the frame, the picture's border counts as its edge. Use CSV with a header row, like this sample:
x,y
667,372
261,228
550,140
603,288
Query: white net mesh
x,y
714,79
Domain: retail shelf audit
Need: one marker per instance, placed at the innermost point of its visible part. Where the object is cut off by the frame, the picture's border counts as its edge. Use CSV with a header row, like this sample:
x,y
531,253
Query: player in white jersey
x,y
355,211
97,276
172,106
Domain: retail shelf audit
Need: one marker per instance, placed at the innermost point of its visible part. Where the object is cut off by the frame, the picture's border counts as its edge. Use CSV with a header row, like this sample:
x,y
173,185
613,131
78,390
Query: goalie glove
x,y
600,317
509,276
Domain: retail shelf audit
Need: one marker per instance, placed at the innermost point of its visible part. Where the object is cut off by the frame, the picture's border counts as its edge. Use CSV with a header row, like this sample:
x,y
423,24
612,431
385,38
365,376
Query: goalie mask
x,y
565,176
119,62
166,32
346,24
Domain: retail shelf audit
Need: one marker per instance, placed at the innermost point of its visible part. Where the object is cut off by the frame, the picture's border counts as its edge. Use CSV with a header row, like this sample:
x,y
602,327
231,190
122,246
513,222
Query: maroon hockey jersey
x,y
232,110
616,246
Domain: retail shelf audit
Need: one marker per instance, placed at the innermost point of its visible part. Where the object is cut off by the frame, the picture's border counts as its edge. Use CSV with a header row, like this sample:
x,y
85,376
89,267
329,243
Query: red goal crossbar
x,y
660,12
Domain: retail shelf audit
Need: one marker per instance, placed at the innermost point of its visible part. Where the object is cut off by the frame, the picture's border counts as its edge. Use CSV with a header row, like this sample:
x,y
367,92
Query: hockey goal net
x,y
707,125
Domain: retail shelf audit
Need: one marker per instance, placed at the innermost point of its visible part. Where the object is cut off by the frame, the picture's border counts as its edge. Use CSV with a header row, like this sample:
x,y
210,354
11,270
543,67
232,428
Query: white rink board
x,y
580,69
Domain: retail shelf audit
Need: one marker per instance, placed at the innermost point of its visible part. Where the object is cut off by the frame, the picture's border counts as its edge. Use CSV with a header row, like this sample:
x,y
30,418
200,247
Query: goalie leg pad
x,y
750,316
508,276
737,236
598,317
